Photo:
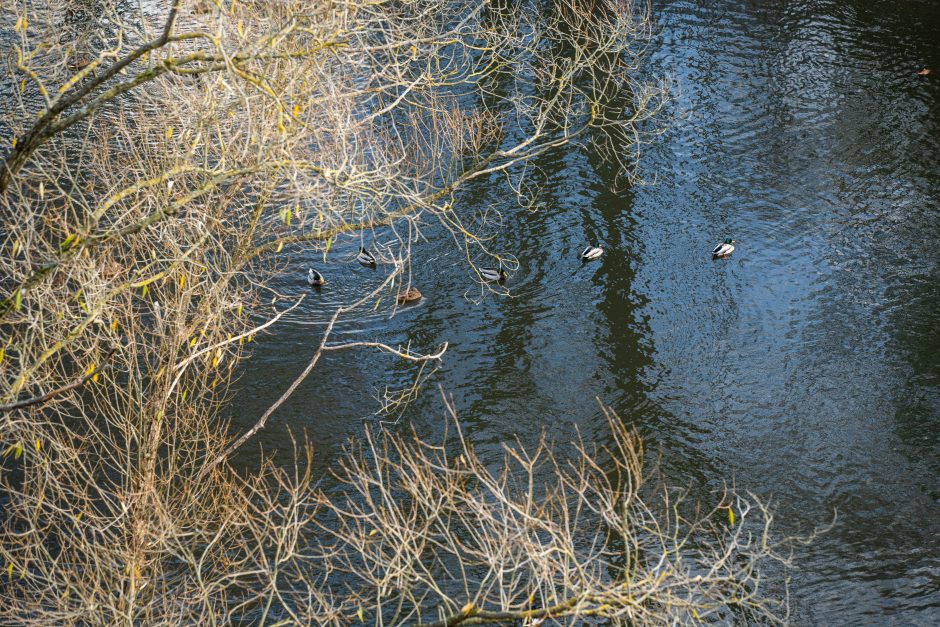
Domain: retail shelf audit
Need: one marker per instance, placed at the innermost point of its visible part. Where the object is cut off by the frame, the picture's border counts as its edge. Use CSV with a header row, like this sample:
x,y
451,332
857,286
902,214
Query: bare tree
x,y
160,164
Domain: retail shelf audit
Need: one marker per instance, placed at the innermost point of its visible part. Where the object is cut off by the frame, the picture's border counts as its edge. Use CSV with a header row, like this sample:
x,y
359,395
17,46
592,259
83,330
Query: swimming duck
x,y
314,278
724,249
592,252
493,274
410,295
365,257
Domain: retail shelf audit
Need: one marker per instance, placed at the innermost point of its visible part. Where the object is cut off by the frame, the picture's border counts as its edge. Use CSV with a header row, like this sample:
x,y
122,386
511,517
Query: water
x,y
806,367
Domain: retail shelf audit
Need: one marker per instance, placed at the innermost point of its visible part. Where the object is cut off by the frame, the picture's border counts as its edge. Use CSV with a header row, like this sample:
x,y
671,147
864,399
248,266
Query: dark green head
x,y
729,241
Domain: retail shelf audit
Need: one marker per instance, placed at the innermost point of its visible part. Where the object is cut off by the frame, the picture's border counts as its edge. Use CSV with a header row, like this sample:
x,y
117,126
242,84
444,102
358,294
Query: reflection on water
x,y
806,367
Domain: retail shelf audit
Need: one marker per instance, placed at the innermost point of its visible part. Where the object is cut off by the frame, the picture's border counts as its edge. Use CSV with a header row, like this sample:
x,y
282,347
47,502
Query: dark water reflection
x,y
806,367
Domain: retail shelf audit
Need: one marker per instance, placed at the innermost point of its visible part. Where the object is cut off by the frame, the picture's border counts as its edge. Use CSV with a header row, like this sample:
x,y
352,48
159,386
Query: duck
x,y
724,249
409,296
314,278
494,274
591,253
365,257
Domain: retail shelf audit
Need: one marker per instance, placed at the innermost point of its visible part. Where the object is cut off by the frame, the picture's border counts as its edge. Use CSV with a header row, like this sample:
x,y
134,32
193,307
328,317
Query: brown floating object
x,y
409,296
924,72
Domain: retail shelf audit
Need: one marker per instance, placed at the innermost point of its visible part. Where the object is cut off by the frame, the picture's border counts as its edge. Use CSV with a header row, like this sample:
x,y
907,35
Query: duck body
x,y
724,249
365,257
493,274
409,296
591,253
314,278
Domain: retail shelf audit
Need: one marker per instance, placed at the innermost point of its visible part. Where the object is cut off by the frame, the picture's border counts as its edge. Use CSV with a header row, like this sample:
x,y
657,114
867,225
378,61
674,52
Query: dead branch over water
x,y
160,164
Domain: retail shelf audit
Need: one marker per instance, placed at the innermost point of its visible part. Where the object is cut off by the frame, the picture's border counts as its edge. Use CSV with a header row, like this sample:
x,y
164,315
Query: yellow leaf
x,y
169,133
239,313
94,377
114,324
193,341
182,281
241,340
360,614
18,451
414,51
377,305
18,301
16,247
329,242
90,369
280,247
10,570
214,381
22,85
38,445
466,609
160,372
249,338
241,28
296,110
731,515
79,516
373,532
143,292
185,392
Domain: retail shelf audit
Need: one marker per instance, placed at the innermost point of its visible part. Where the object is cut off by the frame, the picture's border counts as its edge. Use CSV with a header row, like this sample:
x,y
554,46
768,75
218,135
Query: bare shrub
x,y
158,165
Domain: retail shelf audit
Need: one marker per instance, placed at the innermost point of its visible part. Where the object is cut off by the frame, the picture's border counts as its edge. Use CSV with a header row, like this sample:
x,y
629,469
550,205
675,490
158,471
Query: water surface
x,y
806,367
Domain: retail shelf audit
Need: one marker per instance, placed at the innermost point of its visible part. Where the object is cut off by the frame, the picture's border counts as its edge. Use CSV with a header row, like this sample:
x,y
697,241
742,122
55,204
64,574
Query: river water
x,y
805,368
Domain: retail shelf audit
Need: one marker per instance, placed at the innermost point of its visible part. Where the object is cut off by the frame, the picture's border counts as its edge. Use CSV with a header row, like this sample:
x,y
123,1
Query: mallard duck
x,y
365,257
591,253
314,278
409,296
493,274
724,249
